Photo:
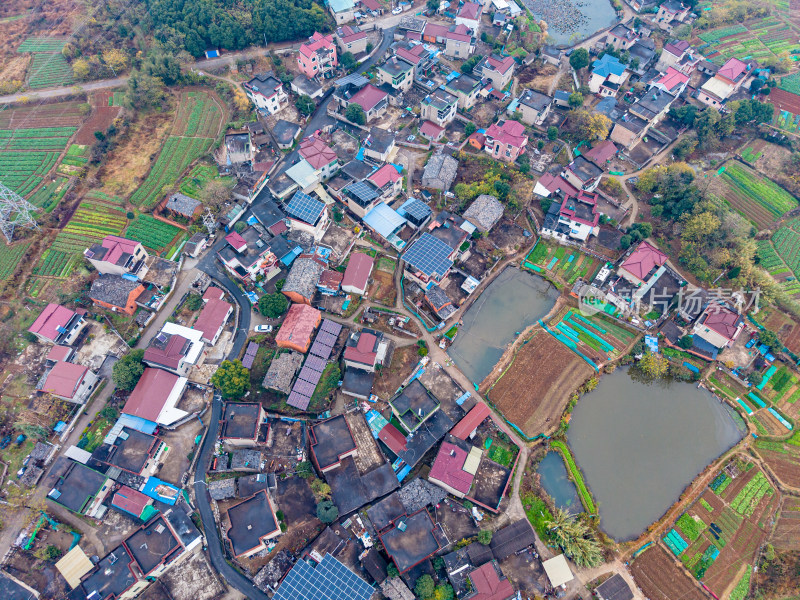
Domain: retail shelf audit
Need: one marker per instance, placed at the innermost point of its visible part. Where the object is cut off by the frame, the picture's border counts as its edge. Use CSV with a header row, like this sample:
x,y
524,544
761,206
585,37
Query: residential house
x,y
428,259
330,282
411,540
640,5
117,293
196,244
671,14
388,181
379,144
561,98
550,184
601,153
307,214
134,452
212,318
719,325
343,11
438,300
455,466
387,223
643,264
252,524
417,55
642,54
534,107
440,172
440,107
484,212
320,156
396,73
550,55
298,328
351,39
317,57
431,131
58,324
489,583
497,69
79,488
154,400
415,212
303,86
117,256
614,588
185,206
673,54
575,218
414,405
285,133
672,82
266,92
457,39
373,100
608,74
68,381
622,36
506,140
361,197
303,177
653,105
357,273
465,89
247,255
241,424
301,282
365,350
281,372
628,130
238,148
175,348
469,15
331,442
729,79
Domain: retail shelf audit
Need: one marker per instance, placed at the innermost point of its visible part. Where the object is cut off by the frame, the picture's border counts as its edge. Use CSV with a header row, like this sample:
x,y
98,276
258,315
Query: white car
x,y
397,10
263,328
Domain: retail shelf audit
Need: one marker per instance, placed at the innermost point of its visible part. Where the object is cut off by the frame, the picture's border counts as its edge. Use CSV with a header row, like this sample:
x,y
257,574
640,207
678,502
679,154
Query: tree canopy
x,y
327,512
127,370
232,379
579,58
356,114
273,305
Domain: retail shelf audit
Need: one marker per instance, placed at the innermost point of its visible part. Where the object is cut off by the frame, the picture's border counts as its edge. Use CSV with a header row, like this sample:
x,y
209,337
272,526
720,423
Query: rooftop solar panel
x,y
417,209
316,363
320,349
430,255
363,191
298,400
330,580
247,361
310,375
304,387
252,348
326,338
305,208
331,326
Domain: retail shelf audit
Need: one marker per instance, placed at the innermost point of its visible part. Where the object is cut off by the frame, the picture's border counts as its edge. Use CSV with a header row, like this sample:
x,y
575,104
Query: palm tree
x,y
576,539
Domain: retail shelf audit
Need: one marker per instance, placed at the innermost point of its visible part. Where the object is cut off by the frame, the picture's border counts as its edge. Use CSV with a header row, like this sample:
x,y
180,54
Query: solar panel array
x,y
310,375
430,255
329,326
363,191
316,363
330,580
321,350
298,400
305,208
418,210
326,338
249,355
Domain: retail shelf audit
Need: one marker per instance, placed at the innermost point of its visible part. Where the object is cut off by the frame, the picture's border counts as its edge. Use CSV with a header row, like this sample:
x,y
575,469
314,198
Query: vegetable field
x,y
787,245
50,194
23,171
576,475
90,223
762,38
10,258
196,125
791,83
755,197
196,180
152,233
43,138
49,70
42,44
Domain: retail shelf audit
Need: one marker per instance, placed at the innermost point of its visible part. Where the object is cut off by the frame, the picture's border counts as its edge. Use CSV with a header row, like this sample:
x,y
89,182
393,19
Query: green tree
x,y
320,488
232,379
765,336
194,302
502,188
424,587
433,5
579,58
575,538
144,91
443,592
273,305
552,133
127,370
686,342
755,377
469,128
348,60
485,536
653,365
575,99
355,114
327,512
304,469
305,104
162,65
392,571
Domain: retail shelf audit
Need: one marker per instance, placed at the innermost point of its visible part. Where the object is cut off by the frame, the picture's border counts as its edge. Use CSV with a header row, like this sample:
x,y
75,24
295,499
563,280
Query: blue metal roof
x,y
161,491
384,220
329,580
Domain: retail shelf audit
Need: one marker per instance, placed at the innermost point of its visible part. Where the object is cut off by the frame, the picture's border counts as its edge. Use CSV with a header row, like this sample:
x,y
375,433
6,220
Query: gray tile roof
x,y
112,289
440,172
303,277
484,212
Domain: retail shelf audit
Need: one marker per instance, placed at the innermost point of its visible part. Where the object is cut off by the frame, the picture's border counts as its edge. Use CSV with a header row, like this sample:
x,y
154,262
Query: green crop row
x,y
151,232
690,527
42,44
41,132
577,476
50,70
762,191
10,257
50,194
787,245
750,495
791,83
714,36
742,587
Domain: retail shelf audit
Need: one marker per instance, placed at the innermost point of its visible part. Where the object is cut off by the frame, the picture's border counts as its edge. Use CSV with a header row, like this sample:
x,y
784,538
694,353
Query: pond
x,y
553,473
640,444
570,21
513,301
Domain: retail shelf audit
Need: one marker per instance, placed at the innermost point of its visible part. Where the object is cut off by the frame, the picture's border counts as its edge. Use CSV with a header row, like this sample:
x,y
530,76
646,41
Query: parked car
x,y
397,10
263,328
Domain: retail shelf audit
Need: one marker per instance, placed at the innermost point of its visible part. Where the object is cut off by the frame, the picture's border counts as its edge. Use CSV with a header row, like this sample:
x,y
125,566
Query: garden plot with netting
x,y
152,233
720,532
90,223
596,337
758,39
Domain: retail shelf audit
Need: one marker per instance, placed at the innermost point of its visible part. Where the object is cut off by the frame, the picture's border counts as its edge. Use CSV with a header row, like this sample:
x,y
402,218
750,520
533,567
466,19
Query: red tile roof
x,y
358,269
368,97
430,129
371,4
470,10
316,152
459,33
673,79
151,393
130,500
331,279
212,318
447,468
508,132
59,353
316,42
364,351
299,325
394,440
501,66
732,68
601,152
677,48
63,379
117,246
409,56
236,241
50,319
555,182
721,319
384,175
434,30
213,293
471,421
170,355
488,585
643,259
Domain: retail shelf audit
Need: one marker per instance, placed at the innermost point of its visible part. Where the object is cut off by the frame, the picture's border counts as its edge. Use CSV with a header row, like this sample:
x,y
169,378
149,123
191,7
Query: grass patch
x,y
538,514
577,476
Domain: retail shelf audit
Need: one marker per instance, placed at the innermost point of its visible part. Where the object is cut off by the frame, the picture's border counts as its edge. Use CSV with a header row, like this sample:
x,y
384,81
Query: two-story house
x,y
575,218
351,39
459,42
318,58
621,36
729,79
388,181
397,73
247,255
583,174
608,74
469,15
497,69
440,107
118,255
266,93
307,214
58,324
343,11
671,14
320,156
68,381
175,348
371,99
533,106
506,140
719,325
465,89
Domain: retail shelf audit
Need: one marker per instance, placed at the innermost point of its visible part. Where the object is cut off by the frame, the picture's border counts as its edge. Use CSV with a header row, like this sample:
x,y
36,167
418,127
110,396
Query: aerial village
x,y
446,300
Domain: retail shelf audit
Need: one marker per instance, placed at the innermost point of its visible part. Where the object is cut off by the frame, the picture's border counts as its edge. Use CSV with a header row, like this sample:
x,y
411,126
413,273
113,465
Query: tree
x,y
502,188
579,58
433,5
485,536
115,59
273,305
756,84
575,99
469,128
424,587
765,336
443,592
392,571
588,126
685,146
653,365
355,114
144,91
215,193
320,488
127,370
81,69
232,379
552,133
194,302
304,470
575,538
348,60
755,377
686,342
327,512
163,65
469,65
305,104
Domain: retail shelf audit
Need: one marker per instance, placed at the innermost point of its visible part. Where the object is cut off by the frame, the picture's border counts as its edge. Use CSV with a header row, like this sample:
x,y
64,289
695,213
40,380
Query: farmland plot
x,y
757,198
10,258
656,573
783,459
152,233
785,535
49,70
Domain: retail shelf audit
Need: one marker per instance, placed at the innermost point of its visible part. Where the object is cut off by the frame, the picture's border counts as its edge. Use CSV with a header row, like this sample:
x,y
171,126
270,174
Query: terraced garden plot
x,y
98,195
61,114
152,233
756,197
198,115
50,194
758,39
23,171
787,245
790,83
49,70
785,535
42,44
11,257
198,177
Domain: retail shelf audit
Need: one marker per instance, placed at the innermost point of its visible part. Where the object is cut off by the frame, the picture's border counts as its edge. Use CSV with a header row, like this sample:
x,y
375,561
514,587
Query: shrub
x,y
126,371
194,302
327,512
485,536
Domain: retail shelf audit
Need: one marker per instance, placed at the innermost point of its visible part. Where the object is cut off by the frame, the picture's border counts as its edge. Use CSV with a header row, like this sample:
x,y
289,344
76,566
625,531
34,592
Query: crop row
x,y
22,173
39,132
750,495
762,191
151,232
10,257
791,83
177,154
42,44
787,244
55,263
577,476
53,143
198,177
690,527
50,70
716,35
50,194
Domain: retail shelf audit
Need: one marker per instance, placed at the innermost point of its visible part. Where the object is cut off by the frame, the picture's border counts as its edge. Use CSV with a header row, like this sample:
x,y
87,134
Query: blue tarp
x,y
691,367
161,491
